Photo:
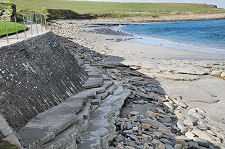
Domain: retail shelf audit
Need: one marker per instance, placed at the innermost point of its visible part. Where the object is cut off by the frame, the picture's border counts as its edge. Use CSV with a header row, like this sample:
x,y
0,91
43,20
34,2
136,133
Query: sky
x,y
219,3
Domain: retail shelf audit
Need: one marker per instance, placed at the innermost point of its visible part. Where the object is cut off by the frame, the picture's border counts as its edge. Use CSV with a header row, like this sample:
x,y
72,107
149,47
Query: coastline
x,y
168,18
147,33
193,76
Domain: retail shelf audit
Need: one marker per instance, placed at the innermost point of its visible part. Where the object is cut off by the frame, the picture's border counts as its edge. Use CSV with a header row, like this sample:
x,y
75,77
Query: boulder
x,y
202,134
216,73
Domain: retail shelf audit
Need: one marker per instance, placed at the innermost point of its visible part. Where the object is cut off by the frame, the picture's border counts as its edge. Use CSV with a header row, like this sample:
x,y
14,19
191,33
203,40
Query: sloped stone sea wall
x,y
35,75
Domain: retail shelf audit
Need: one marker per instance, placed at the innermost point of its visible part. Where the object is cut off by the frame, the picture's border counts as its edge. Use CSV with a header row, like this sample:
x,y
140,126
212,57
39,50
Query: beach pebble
x,y
119,138
179,98
163,128
135,128
201,142
182,137
159,110
160,145
146,146
161,99
165,120
129,126
193,145
158,135
189,135
182,127
222,75
119,146
178,146
150,114
201,111
145,126
169,105
146,138
202,134
190,121
183,105
133,137
203,125
180,140
168,146
193,112
216,73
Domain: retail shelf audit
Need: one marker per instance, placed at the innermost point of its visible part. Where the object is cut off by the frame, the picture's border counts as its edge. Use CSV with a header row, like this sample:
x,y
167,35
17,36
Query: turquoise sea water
x,y
203,36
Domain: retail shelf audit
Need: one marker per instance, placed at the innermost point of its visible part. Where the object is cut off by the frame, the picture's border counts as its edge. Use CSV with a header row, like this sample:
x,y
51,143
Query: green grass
x,y
117,10
10,27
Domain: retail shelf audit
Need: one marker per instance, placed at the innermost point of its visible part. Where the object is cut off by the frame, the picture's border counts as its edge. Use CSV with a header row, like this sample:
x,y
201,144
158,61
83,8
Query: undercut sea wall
x,y
35,75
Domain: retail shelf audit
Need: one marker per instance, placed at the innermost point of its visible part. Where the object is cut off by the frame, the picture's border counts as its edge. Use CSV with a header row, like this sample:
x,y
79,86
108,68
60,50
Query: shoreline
x,y
194,76
110,29
168,18
166,42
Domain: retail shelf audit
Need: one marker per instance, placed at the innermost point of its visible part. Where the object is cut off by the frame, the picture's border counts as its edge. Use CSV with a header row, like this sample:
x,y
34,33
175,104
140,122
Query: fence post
x,y
31,28
6,31
45,23
24,26
41,24
36,22
16,28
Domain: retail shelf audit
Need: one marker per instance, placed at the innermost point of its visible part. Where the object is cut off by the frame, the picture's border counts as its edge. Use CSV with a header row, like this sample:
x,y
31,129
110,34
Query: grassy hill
x,y
115,10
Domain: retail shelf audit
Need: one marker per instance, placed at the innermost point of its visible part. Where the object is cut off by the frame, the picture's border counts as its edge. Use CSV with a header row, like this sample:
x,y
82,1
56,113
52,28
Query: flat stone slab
x,y
93,82
45,126
94,74
68,138
101,128
92,93
179,77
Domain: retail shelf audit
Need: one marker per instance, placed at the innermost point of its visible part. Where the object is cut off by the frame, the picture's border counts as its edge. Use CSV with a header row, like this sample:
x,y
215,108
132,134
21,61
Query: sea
x,y
202,36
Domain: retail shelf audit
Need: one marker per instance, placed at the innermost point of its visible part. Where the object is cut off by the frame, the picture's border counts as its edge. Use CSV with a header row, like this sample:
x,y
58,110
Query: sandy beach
x,y
197,77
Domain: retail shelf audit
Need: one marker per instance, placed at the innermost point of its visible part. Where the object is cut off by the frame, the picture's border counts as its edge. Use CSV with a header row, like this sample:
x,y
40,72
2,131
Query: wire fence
x,y
33,24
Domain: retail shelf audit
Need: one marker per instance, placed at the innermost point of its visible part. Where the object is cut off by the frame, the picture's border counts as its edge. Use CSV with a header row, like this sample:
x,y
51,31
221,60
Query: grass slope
x,y
117,10
10,27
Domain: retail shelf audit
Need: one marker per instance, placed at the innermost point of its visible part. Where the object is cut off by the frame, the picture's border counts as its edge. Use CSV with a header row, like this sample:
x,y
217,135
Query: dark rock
x,y
193,145
119,138
201,142
168,146
133,137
